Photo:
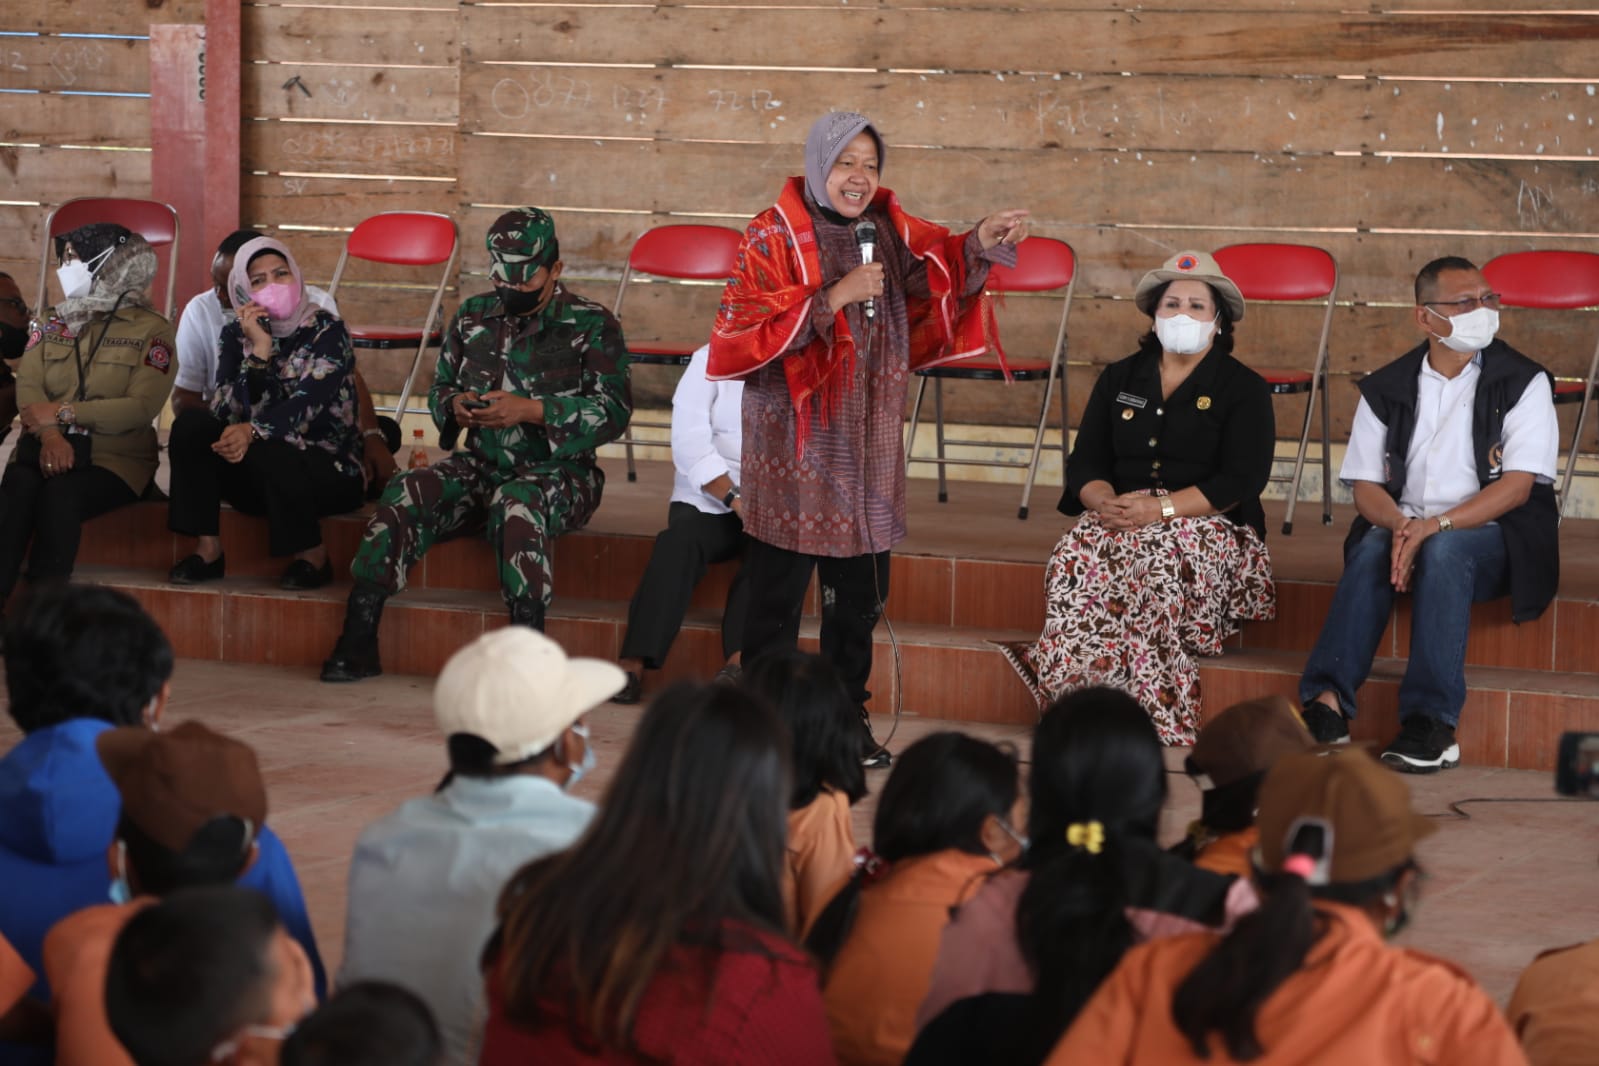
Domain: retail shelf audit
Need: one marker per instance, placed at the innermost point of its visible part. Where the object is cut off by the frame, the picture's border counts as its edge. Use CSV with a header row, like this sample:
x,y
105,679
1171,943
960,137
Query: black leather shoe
x,y
193,570
302,575
527,611
632,691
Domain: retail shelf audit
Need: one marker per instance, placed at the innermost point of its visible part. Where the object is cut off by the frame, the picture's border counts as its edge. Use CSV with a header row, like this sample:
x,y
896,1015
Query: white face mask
x,y
1182,335
77,276
1471,332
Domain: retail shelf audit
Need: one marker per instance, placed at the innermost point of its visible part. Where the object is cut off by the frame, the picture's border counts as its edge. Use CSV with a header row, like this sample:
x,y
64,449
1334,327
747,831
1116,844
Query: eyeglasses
x,y
1465,304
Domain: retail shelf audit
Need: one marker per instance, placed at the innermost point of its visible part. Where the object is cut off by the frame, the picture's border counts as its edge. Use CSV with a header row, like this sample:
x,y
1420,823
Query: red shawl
x,y
778,273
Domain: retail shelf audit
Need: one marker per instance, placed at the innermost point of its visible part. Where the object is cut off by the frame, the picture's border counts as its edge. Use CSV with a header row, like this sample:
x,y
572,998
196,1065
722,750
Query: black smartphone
x,y
475,405
1577,765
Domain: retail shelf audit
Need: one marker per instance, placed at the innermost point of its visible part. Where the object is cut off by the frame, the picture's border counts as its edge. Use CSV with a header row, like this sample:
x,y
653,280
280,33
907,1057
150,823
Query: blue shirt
x,y
424,882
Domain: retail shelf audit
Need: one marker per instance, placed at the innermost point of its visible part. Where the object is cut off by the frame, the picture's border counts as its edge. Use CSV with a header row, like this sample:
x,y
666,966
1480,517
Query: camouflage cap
x,y
521,242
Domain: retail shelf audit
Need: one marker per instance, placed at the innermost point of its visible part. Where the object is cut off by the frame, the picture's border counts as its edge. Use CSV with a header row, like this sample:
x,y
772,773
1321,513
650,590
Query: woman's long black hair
x,y
1096,759
1224,993
823,722
687,849
943,789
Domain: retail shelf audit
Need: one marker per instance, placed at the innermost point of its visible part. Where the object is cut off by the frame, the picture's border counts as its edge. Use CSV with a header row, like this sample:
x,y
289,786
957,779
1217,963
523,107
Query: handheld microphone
x,y
866,237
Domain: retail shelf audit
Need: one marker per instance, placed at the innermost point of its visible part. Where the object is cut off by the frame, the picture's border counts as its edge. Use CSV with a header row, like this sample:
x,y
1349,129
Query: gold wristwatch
x,y
1168,509
1444,524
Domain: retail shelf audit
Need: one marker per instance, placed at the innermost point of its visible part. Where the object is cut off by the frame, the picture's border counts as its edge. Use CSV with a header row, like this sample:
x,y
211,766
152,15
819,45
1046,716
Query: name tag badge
x,y
1131,401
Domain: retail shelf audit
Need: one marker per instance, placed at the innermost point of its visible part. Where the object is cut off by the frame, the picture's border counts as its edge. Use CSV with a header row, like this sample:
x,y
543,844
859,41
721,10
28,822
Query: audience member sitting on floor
x,y
1092,883
424,880
1307,977
368,1023
1174,450
199,341
1228,763
1452,459
704,525
537,376
810,697
80,660
1555,1008
943,824
205,976
192,801
13,342
659,935
95,375
24,1020
280,438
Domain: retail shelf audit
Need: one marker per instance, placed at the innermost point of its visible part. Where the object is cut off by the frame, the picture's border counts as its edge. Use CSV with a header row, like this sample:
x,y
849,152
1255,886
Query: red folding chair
x,y
1043,264
403,238
685,252
1556,281
156,222
1293,273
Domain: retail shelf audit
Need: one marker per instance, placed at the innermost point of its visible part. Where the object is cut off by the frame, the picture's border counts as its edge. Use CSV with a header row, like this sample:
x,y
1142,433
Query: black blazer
x,y
1216,433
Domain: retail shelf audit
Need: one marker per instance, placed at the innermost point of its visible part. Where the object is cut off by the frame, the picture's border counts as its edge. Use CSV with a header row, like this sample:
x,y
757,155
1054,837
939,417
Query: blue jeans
x,y
1454,569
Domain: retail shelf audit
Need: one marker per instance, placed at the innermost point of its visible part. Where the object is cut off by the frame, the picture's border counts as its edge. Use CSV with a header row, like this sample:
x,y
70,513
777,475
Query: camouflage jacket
x,y
570,355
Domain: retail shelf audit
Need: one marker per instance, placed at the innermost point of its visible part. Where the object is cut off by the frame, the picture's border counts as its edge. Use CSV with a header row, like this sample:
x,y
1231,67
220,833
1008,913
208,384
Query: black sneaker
x,y
1326,724
879,759
1425,745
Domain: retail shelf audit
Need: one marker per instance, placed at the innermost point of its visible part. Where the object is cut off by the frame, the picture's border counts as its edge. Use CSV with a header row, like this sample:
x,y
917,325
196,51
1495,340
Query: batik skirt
x,y
1133,609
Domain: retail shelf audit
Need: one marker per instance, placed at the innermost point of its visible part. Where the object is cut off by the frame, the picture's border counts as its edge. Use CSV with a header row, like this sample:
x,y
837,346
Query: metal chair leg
x,y
1326,457
1299,461
1038,445
938,415
916,414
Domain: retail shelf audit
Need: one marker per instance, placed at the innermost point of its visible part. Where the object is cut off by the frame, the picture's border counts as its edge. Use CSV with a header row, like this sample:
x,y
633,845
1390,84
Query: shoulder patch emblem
x,y
35,335
159,356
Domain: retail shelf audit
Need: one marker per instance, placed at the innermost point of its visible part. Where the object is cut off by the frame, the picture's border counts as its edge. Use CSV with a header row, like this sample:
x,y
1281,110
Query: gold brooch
x,y
1127,414
1204,403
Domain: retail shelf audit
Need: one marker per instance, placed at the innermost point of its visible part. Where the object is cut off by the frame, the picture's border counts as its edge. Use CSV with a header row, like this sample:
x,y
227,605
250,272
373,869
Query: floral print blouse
x,y
302,394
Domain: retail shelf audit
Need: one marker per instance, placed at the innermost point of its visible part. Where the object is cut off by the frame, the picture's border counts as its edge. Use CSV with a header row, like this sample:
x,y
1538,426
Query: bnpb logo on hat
x,y
1187,262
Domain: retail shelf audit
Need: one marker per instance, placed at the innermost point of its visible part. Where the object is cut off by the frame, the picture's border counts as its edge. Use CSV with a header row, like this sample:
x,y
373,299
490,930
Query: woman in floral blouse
x,y
281,437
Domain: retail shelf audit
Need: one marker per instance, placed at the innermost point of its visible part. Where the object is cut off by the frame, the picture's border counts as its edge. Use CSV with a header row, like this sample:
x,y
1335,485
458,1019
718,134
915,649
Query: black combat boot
x,y
356,654
527,611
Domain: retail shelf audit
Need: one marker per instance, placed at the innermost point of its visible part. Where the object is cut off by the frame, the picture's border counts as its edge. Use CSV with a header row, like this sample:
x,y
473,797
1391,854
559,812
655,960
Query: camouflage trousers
x,y
520,512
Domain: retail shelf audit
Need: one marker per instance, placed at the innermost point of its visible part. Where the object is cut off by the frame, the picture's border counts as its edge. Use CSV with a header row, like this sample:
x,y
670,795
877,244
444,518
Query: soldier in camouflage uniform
x,y
536,376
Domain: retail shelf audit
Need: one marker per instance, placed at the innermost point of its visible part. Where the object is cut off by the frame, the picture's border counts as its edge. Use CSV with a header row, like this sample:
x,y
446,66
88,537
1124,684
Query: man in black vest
x,y
1452,461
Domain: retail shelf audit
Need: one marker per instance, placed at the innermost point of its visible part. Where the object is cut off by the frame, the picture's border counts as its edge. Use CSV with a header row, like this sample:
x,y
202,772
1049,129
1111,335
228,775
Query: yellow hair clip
x,y
1089,836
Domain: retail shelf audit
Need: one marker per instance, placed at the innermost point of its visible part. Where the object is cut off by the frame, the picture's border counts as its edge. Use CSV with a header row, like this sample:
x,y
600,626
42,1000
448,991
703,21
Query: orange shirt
x,y
77,950
821,857
1230,854
882,972
15,977
1555,1008
1355,1000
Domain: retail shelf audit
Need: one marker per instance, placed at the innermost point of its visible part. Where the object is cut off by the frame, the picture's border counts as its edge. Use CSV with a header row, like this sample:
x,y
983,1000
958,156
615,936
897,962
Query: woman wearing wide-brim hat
x,y
1174,450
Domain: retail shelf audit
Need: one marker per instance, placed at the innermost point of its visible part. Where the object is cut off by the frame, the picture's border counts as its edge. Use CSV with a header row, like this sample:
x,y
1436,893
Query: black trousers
x,y
691,542
852,590
294,489
50,512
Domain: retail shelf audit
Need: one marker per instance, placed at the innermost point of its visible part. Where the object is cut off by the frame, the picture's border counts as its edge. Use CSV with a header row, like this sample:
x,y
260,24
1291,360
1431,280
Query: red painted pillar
x,y
194,134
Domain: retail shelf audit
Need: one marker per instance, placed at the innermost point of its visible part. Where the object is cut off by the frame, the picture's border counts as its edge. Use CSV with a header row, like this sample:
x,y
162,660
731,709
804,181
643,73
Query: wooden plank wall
x,y
1389,135
74,111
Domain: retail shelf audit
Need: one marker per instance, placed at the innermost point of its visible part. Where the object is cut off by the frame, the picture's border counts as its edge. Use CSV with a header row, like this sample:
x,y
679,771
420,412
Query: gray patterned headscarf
x,y
825,143
122,280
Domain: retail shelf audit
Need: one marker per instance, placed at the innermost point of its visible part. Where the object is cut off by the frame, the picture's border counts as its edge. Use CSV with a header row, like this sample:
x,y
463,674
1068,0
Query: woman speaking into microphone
x,y
837,297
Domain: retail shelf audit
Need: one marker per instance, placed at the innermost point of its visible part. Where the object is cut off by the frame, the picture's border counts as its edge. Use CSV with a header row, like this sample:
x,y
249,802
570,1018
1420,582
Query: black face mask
x,y
518,302
13,341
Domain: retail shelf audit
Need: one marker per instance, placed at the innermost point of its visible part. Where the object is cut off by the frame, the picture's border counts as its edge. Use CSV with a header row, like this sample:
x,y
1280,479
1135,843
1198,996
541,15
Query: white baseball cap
x,y
516,689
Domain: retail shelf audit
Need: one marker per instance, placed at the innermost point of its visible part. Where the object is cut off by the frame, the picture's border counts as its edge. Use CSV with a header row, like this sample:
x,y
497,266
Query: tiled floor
x,y
1509,881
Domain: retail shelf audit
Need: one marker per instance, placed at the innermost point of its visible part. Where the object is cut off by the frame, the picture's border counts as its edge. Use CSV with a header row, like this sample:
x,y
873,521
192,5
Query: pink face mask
x,y
279,299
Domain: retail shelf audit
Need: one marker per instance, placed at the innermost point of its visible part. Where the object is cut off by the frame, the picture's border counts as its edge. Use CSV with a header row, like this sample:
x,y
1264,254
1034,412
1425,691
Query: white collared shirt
x,y
1441,465
707,434
200,337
